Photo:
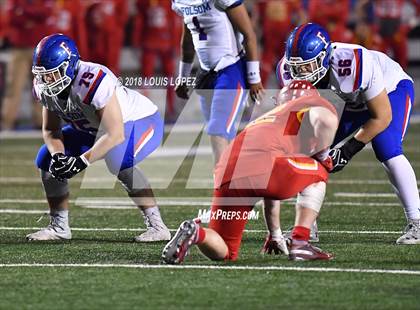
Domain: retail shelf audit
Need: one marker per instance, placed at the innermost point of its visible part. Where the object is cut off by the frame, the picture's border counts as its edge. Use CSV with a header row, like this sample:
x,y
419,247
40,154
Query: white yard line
x,y
23,211
365,195
37,180
126,204
345,232
218,267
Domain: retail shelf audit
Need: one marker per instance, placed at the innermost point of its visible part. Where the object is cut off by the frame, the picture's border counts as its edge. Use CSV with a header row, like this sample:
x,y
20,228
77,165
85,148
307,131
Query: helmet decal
x,y
66,48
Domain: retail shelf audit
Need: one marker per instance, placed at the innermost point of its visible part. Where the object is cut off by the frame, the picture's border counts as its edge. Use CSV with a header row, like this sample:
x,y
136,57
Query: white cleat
x,y
153,234
56,230
411,233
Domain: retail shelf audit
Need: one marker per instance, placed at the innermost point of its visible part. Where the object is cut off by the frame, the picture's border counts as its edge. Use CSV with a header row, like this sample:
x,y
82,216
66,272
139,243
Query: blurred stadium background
x,y
140,38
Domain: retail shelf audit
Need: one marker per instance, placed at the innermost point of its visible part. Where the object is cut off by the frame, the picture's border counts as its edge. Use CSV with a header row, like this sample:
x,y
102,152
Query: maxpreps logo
x,y
195,10
223,215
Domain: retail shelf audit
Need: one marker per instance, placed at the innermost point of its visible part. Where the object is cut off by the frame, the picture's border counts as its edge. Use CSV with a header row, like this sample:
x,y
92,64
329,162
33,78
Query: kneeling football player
x,y
267,160
105,120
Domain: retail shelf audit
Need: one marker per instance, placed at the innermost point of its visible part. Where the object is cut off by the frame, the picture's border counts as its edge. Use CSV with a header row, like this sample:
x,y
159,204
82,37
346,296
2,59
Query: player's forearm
x,y
187,46
324,124
251,46
324,132
272,215
102,146
53,140
380,117
371,129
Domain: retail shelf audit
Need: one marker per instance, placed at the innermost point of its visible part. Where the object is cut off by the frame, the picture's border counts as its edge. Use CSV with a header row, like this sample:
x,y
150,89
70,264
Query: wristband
x,y
253,72
185,69
352,147
85,160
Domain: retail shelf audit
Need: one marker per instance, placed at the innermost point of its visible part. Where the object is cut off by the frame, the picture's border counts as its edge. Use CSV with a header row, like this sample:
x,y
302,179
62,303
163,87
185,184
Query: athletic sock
x,y
300,235
403,179
200,235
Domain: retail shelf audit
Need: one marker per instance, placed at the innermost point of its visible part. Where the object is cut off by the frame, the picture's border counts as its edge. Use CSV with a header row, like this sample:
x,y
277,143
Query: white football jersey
x,y
90,91
216,43
357,74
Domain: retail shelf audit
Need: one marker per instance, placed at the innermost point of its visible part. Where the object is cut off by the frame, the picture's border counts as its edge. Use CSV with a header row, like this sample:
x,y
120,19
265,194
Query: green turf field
x,y
360,222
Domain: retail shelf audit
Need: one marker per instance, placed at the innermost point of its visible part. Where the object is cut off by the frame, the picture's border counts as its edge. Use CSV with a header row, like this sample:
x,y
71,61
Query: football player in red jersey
x,y
29,21
70,22
275,16
157,31
333,15
105,23
391,28
267,160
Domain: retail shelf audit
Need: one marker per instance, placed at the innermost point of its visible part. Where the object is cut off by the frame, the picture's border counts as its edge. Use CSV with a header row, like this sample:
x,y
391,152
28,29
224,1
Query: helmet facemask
x,y
52,82
311,70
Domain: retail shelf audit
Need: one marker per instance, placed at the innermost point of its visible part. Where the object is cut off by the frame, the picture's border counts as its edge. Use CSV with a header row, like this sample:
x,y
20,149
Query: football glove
x,y
65,167
278,246
341,156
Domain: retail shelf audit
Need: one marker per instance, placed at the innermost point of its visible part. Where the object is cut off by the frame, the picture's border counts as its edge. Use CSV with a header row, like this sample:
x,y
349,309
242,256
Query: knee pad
x,y
312,196
43,158
133,180
53,187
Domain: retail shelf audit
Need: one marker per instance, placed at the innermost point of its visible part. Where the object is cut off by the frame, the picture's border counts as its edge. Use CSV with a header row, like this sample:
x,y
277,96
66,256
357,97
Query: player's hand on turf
x,y
342,155
65,167
182,91
277,246
256,91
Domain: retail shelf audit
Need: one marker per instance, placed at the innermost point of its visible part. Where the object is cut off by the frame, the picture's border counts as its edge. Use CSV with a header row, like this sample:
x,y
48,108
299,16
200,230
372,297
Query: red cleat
x,y
308,252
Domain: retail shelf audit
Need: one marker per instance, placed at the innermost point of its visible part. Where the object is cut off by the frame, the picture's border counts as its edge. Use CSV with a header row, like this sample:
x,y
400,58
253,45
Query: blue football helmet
x,y
308,52
54,64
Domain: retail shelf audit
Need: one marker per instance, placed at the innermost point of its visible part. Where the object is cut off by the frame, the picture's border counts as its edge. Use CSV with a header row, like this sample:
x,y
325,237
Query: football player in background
x,y
279,17
392,28
157,31
29,22
70,21
105,24
378,95
220,32
105,120
332,15
268,160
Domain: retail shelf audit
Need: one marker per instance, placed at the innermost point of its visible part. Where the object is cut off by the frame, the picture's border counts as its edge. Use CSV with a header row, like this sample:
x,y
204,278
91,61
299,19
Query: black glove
x,y
341,156
65,167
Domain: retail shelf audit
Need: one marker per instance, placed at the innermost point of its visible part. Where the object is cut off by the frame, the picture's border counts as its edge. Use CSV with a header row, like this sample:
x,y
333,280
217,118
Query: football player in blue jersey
x,y
221,34
105,120
378,96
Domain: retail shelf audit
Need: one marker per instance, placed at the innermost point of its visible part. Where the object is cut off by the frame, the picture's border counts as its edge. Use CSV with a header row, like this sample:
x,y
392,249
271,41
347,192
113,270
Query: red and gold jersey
x,y
282,132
